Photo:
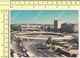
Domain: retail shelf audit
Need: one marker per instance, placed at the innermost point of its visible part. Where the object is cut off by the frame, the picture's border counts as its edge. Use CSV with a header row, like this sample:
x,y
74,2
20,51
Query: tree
x,y
75,39
16,28
49,41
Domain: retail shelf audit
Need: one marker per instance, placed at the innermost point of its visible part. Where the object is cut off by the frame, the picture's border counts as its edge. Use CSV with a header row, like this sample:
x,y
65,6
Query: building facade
x,y
68,27
35,27
57,24
30,28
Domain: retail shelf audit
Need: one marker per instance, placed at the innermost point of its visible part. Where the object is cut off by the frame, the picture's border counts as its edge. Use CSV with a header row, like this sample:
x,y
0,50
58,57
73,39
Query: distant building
x,y
49,27
57,24
68,27
29,27
34,27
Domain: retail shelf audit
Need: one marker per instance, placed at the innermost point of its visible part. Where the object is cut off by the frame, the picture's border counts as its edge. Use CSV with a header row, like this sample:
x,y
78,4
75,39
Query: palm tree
x,y
49,41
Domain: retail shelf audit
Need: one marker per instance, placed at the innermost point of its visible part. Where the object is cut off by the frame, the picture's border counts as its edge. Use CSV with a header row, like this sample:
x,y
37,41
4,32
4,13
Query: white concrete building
x,y
57,24
29,27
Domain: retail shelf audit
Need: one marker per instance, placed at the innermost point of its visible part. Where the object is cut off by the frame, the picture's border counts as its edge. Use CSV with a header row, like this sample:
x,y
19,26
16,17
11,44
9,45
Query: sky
x,y
43,16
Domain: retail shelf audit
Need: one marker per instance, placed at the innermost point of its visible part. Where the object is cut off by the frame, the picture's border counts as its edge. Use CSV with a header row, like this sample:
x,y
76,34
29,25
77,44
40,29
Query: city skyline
x,y
43,16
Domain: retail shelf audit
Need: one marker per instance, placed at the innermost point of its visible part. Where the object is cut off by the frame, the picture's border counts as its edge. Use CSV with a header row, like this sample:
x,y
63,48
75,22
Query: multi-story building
x,y
35,27
57,24
68,27
28,27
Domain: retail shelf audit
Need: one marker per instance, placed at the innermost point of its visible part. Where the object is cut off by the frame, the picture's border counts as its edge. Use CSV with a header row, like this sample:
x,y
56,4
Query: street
x,y
34,47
